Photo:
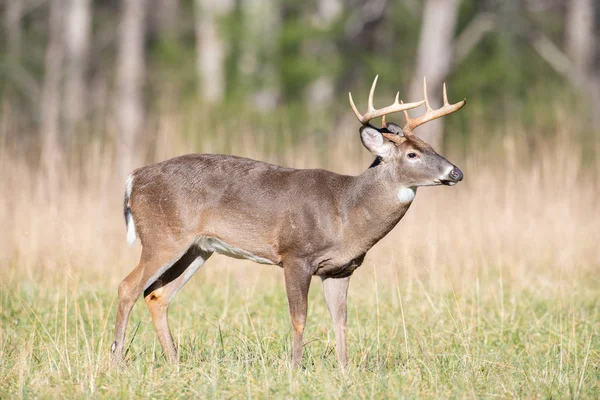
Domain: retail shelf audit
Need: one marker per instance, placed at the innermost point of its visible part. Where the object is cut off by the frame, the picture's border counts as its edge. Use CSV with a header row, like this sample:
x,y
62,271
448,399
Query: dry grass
x,y
487,288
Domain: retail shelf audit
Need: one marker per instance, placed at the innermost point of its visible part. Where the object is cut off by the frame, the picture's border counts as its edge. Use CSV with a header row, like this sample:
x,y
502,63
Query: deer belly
x,y
215,245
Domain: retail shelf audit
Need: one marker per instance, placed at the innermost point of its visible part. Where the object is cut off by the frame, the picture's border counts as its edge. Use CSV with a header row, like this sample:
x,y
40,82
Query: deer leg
x,y
336,294
297,283
158,296
131,288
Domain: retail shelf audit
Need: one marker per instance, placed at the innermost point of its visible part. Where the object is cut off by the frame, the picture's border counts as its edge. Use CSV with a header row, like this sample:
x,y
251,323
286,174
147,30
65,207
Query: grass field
x,y
492,340
487,289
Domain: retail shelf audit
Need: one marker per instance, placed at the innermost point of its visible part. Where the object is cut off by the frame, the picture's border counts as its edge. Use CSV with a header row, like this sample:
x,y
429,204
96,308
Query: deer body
x,y
229,218
310,222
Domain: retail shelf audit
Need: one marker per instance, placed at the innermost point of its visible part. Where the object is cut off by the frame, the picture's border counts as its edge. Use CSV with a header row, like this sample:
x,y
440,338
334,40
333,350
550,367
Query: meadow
x,y
487,289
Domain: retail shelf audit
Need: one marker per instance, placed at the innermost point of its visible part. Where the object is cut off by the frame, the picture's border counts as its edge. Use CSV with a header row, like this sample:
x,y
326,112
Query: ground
x,y
405,339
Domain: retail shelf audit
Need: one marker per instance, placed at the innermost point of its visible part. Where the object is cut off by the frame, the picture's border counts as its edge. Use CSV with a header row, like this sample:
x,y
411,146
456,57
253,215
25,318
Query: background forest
x,y
497,295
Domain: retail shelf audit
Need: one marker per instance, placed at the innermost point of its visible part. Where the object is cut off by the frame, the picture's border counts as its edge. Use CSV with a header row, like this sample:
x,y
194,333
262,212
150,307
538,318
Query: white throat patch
x,y
406,195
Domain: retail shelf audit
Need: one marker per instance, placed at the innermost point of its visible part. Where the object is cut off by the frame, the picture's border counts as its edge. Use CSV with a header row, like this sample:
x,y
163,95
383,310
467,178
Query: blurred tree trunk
x,y
581,48
50,97
320,91
210,48
258,47
434,59
168,16
329,10
359,37
580,35
130,79
78,21
14,34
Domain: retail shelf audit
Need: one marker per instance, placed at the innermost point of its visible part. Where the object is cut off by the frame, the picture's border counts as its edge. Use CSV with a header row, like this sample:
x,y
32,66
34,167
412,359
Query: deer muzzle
x,y
452,177
456,174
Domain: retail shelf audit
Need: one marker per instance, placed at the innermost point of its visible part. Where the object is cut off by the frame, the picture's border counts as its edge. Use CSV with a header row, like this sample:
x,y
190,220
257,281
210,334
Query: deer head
x,y
415,162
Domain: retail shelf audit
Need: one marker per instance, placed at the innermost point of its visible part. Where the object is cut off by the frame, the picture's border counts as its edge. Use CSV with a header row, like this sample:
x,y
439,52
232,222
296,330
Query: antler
x,y
374,113
431,114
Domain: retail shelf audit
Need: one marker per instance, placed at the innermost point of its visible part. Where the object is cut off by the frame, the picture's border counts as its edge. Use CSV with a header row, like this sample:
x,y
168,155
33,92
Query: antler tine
x,y
360,117
425,94
397,101
370,107
408,122
446,103
372,112
431,114
406,113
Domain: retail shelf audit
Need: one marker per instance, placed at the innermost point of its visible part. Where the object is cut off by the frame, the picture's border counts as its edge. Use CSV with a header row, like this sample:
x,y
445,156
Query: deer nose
x,y
456,174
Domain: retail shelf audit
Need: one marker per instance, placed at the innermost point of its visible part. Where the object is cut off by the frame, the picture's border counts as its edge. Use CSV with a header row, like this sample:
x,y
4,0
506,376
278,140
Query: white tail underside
x,y
131,233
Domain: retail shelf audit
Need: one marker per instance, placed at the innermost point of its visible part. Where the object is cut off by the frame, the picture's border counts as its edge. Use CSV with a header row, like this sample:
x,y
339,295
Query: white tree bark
x,y
77,36
168,15
329,10
210,48
261,24
320,92
130,77
50,97
581,47
434,59
14,34
580,35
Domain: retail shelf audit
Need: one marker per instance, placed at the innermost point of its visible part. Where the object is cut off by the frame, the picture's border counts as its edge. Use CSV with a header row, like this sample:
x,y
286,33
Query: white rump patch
x,y
131,234
216,245
406,195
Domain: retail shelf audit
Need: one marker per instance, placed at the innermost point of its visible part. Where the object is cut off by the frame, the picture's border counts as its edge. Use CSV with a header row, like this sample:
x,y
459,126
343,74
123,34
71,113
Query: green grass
x,y
405,339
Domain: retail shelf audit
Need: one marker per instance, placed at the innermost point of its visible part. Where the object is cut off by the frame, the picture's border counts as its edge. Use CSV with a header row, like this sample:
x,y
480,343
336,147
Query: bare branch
x,y
469,38
558,60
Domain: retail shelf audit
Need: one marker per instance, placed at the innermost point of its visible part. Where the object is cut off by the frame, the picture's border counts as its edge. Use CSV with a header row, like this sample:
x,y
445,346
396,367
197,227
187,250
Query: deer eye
x,y
412,155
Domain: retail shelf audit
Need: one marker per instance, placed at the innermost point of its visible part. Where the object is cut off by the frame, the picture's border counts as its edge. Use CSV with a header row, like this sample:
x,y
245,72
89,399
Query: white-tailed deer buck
x,y
307,221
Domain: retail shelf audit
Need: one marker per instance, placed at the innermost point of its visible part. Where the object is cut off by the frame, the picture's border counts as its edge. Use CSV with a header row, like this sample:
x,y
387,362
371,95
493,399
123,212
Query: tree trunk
x,y
434,59
258,47
581,48
77,37
580,35
130,76
168,18
210,48
320,92
362,24
14,34
50,97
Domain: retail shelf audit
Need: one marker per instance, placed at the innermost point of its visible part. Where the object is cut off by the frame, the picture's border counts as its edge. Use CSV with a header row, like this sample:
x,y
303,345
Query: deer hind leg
x,y
297,283
150,267
159,294
336,294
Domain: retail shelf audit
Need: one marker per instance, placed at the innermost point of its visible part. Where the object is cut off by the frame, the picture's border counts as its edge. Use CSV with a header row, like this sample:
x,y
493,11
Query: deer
x,y
309,222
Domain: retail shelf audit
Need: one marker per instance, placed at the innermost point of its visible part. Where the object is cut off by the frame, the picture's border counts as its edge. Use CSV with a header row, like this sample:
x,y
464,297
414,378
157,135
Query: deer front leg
x,y
297,282
336,294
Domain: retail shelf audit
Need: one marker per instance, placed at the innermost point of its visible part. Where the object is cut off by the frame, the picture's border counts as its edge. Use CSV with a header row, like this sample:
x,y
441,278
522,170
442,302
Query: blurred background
x,y
90,90
489,286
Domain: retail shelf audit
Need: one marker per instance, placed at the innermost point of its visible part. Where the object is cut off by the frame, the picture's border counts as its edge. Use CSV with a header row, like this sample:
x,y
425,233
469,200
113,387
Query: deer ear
x,y
394,128
373,140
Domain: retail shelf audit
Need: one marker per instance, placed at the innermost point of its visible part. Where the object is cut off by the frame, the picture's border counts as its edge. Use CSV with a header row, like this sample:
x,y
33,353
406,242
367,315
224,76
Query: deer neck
x,y
379,199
